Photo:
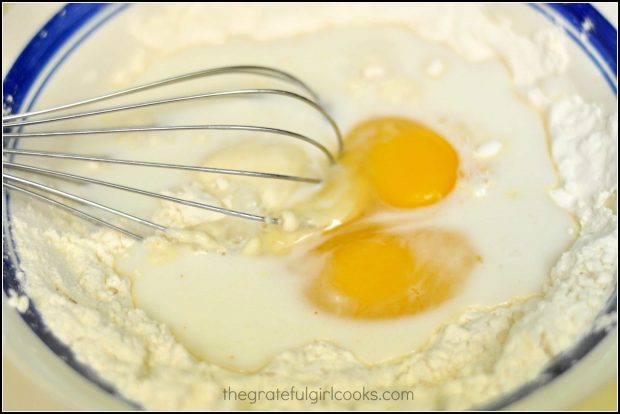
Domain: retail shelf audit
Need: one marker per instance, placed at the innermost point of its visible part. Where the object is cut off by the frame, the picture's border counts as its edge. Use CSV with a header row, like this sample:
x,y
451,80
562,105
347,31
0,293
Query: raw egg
x,y
406,163
370,273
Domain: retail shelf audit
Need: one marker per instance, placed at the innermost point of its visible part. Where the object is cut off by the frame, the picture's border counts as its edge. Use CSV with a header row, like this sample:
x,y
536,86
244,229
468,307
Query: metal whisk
x,y
13,124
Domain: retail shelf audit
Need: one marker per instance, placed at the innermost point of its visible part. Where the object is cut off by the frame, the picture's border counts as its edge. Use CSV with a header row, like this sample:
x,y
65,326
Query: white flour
x,y
17,301
469,361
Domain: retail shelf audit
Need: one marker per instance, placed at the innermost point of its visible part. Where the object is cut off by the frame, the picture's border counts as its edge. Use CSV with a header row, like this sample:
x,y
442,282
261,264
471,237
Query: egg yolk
x,y
406,164
369,273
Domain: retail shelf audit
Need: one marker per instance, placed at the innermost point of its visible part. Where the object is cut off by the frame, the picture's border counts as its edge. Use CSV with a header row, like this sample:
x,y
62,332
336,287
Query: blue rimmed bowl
x,y
594,41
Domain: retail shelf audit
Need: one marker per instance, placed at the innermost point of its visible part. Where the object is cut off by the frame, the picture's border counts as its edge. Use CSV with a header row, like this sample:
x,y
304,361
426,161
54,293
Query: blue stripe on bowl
x,y
56,33
603,36
42,48
62,28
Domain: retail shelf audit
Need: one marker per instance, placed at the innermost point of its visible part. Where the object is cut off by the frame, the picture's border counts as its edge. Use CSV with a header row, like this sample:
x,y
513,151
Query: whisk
x,y
14,123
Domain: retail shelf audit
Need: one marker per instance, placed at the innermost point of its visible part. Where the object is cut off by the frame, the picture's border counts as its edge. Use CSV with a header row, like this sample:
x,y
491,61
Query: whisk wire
x,y
256,70
79,199
18,121
240,92
72,210
61,155
250,128
81,178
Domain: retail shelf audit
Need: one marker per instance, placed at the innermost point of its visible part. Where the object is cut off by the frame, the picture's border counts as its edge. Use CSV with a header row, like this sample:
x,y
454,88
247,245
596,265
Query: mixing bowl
x,y
66,44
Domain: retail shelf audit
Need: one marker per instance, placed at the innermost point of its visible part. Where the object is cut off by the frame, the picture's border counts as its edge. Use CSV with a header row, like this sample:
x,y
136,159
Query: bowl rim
x,y
74,23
